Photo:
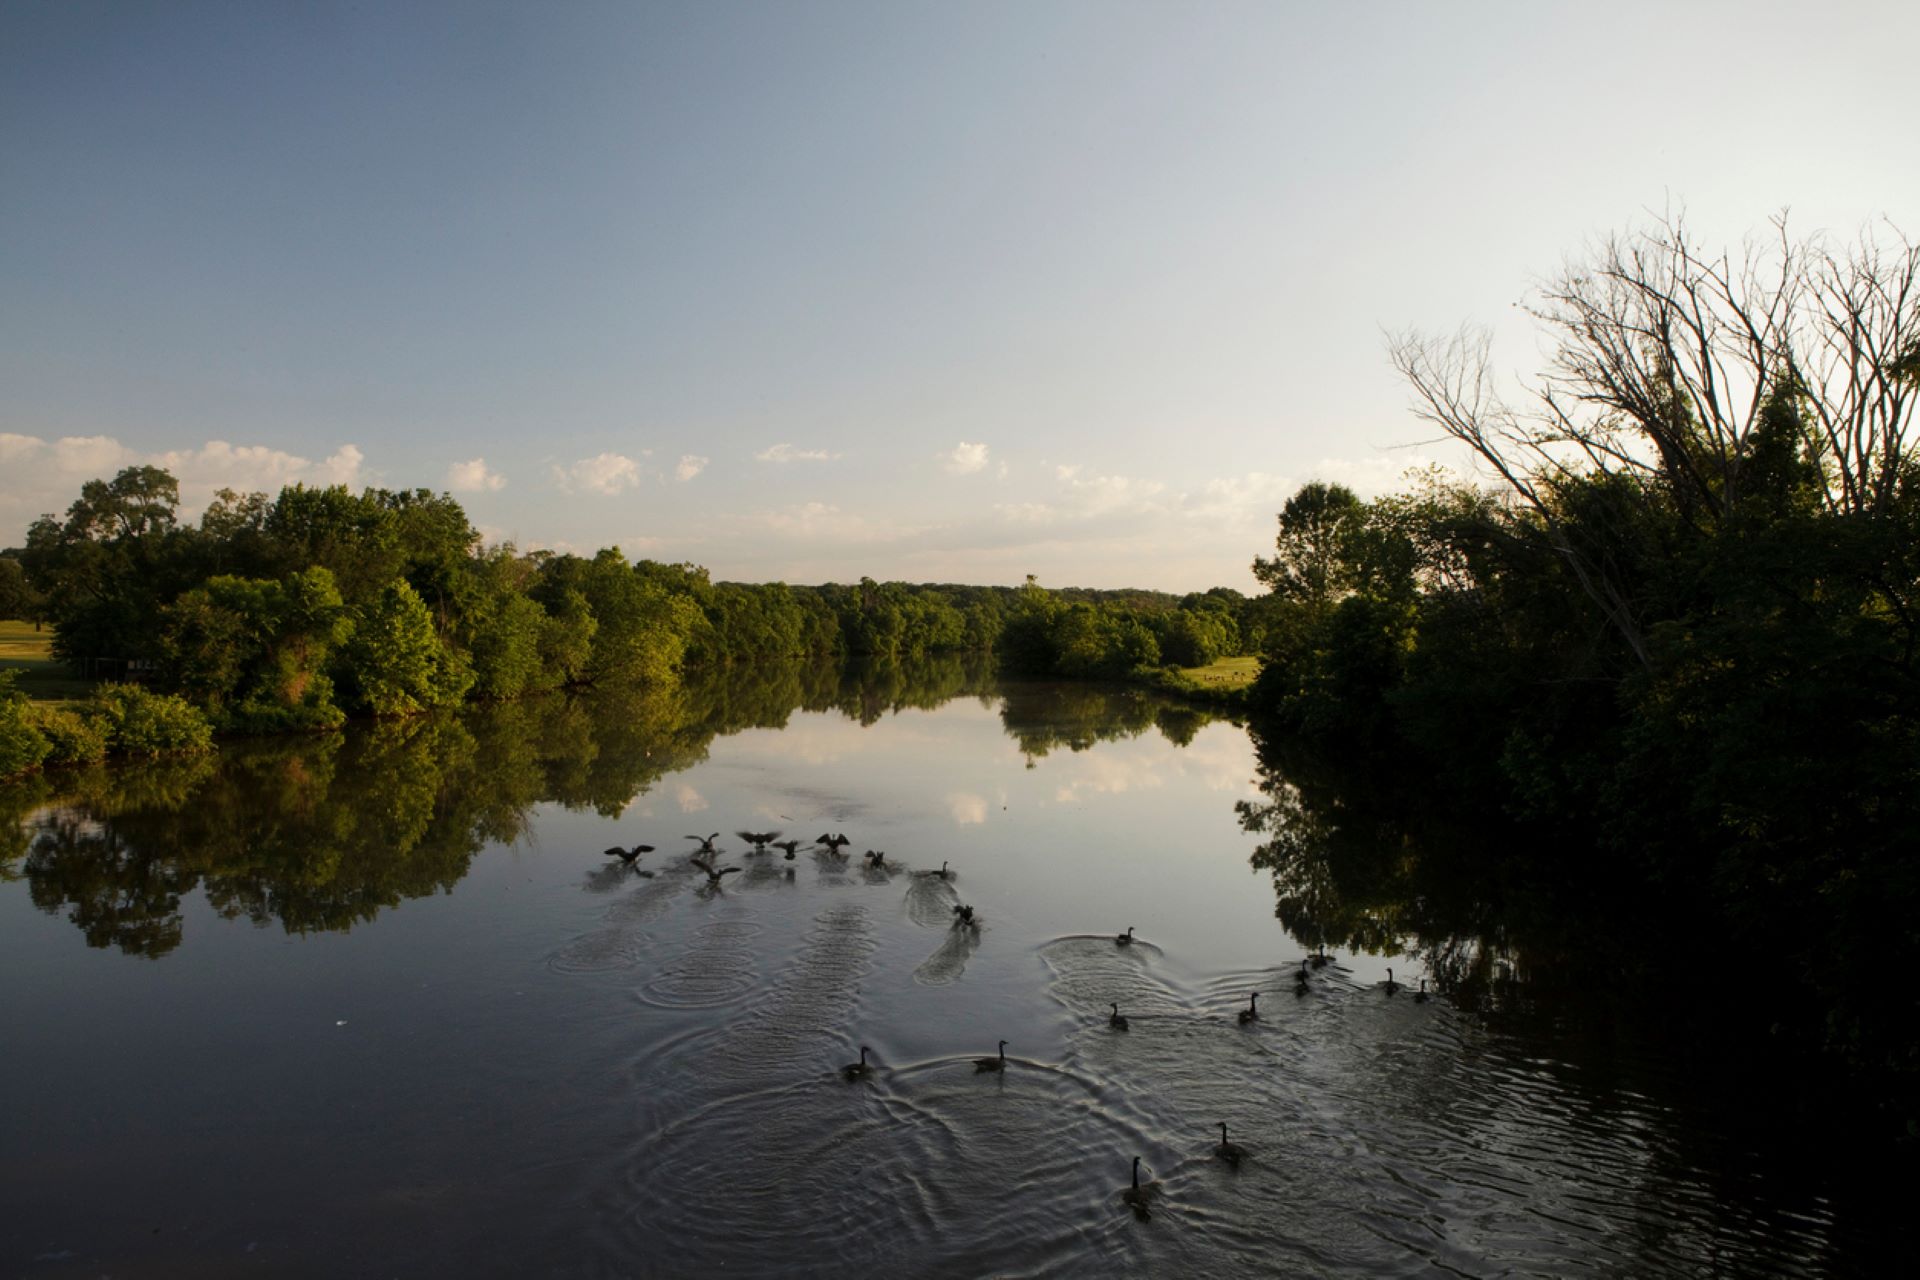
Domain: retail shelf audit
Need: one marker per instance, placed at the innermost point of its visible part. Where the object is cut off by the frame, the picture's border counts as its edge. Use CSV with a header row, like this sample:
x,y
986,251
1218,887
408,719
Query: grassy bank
x,y
1222,682
42,678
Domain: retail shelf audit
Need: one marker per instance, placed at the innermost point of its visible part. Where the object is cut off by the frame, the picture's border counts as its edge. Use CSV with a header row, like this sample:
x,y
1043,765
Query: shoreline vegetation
x,y
1648,706
293,613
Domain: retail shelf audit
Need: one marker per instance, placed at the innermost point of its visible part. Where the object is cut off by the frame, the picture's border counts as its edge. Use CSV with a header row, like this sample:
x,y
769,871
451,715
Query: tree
x,y
1687,381
18,599
253,652
139,502
1313,564
106,569
396,660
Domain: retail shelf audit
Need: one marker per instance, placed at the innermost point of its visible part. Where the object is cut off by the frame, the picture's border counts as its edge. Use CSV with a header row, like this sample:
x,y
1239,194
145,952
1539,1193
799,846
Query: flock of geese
x,y
1137,1197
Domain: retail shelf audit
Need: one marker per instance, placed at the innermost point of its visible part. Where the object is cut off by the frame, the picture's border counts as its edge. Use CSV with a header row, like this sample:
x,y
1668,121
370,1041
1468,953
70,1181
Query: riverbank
x,y
1221,683
28,650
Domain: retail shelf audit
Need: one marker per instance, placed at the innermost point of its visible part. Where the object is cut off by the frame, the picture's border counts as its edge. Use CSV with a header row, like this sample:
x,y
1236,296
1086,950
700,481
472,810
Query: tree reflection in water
x,y
1044,716
1358,864
323,832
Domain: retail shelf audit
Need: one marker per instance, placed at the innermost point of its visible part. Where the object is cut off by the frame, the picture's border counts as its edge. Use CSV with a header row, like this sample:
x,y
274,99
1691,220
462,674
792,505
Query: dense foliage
x,y
1675,650
123,718
292,612
1114,635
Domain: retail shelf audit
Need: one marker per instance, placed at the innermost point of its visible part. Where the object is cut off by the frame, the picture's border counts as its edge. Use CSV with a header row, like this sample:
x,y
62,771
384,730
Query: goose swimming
x,y
1136,1196
993,1064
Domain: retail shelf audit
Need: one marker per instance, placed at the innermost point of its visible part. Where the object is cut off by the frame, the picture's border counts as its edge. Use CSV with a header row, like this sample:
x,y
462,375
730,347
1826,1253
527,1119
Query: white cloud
x,y
691,465
1232,497
46,475
689,800
13,446
966,809
823,520
1098,495
473,476
607,473
964,459
1026,512
1107,772
789,453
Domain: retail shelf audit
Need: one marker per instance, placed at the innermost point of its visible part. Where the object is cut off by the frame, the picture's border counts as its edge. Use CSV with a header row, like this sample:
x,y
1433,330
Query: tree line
x,y
292,612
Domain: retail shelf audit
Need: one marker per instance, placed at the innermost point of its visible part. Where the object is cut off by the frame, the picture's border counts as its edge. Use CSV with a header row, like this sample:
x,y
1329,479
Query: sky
x,y
811,291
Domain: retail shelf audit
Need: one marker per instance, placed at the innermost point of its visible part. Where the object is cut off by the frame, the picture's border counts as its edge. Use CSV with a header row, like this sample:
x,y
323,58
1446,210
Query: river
x,y
378,1003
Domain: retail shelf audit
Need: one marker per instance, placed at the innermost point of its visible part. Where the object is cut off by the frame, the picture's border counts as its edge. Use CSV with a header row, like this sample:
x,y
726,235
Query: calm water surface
x,y
378,1004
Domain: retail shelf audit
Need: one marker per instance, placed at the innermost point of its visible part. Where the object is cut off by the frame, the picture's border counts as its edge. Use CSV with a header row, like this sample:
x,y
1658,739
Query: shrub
x,y
149,724
74,739
22,745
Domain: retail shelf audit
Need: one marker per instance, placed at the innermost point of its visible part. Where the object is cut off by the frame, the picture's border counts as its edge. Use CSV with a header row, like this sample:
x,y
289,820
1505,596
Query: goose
x,y
1231,1152
1320,958
876,858
941,874
963,915
1300,987
706,843
1421,996
993,1064
1119,1020
787,847
1136,1196
713,877
856,1070
1124,939
1392,986
1252,1012
834,843
628,855
758,839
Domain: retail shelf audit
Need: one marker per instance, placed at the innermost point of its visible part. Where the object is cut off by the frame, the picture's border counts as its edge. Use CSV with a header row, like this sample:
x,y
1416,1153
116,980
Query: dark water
x,y
377,1004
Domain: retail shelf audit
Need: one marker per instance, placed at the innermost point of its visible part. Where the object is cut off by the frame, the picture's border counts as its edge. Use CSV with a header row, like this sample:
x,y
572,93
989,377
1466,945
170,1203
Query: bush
x,y
22,745
74,739
149,724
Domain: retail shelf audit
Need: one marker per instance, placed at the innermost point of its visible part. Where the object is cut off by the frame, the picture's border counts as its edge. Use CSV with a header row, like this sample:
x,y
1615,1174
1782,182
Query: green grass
x,y
1223,673
30,653
1222,683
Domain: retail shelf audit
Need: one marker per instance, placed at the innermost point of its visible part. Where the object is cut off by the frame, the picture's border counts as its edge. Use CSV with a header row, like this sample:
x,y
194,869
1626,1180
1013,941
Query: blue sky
x,y
810,291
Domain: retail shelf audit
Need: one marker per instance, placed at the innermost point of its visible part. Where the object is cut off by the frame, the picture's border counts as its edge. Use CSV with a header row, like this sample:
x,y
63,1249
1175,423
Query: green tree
x,y
18,599
253,653
395,660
